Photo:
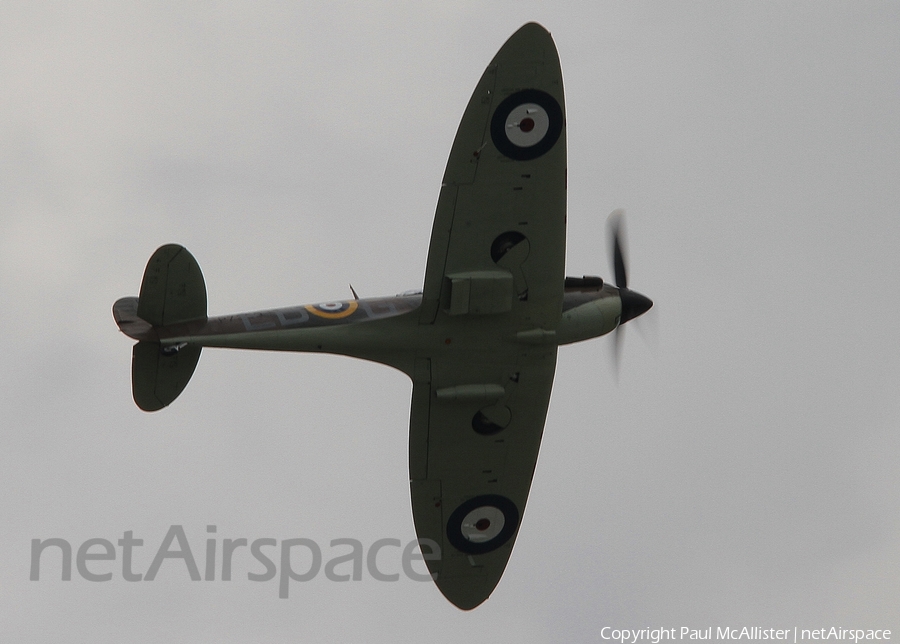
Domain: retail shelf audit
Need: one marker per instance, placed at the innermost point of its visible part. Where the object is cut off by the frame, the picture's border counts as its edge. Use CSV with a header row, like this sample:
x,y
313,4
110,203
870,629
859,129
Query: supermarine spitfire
x,y
479,341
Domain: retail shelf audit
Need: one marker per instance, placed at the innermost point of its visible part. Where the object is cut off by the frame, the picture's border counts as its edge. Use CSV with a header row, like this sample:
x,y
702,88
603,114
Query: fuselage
x,y
384,330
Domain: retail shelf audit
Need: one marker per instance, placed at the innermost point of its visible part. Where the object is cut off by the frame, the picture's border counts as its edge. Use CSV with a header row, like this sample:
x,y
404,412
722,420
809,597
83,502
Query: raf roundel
x,y
526,124
333,310
482,524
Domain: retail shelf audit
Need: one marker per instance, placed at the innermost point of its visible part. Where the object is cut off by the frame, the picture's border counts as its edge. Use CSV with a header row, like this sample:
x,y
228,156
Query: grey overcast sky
x,y
743,471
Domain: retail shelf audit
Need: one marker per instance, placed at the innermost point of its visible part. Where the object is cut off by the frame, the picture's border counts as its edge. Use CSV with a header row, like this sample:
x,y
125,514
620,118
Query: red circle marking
x,y
482,524
526,124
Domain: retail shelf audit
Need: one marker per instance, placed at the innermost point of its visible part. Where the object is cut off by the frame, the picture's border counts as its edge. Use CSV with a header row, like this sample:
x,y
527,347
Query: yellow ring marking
x,y
351,307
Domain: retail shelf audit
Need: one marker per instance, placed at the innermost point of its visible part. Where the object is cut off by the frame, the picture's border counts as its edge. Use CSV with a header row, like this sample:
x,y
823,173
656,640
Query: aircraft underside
x,y
479,342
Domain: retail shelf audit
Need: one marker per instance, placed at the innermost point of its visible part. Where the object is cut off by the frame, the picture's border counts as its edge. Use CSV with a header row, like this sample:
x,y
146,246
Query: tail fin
x,y
172,292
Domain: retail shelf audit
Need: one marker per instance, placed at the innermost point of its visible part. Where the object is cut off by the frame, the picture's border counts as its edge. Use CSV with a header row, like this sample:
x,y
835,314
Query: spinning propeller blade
x,y
634,304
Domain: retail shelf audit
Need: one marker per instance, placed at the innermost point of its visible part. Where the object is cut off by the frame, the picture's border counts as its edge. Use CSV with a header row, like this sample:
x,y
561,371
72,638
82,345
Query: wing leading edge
x,y
495,269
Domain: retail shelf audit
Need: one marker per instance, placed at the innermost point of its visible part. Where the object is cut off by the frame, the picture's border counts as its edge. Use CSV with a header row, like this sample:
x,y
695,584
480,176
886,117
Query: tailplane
x,y
172,292
160,374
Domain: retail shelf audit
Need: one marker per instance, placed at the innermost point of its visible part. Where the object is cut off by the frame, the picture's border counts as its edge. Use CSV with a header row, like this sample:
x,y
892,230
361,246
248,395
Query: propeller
x,y
633,303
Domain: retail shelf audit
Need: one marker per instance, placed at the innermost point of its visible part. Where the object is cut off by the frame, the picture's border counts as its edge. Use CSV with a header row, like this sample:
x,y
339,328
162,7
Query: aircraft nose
x,y
633,304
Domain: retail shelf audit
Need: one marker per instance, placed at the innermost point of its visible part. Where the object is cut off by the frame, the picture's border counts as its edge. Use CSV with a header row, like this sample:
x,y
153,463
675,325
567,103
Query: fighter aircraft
x,y
479,342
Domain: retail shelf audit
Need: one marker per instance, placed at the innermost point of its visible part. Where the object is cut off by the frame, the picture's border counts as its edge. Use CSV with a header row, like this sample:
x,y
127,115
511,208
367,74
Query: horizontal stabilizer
x,y
159,374
173,290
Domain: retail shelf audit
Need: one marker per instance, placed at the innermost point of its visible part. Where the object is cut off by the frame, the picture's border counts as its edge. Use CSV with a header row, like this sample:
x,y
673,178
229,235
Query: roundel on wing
x,y
482,524
526,124
333,310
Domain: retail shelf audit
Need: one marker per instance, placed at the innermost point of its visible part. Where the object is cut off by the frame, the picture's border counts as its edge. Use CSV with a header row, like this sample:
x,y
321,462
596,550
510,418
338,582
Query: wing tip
x,y
464,593
530,43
